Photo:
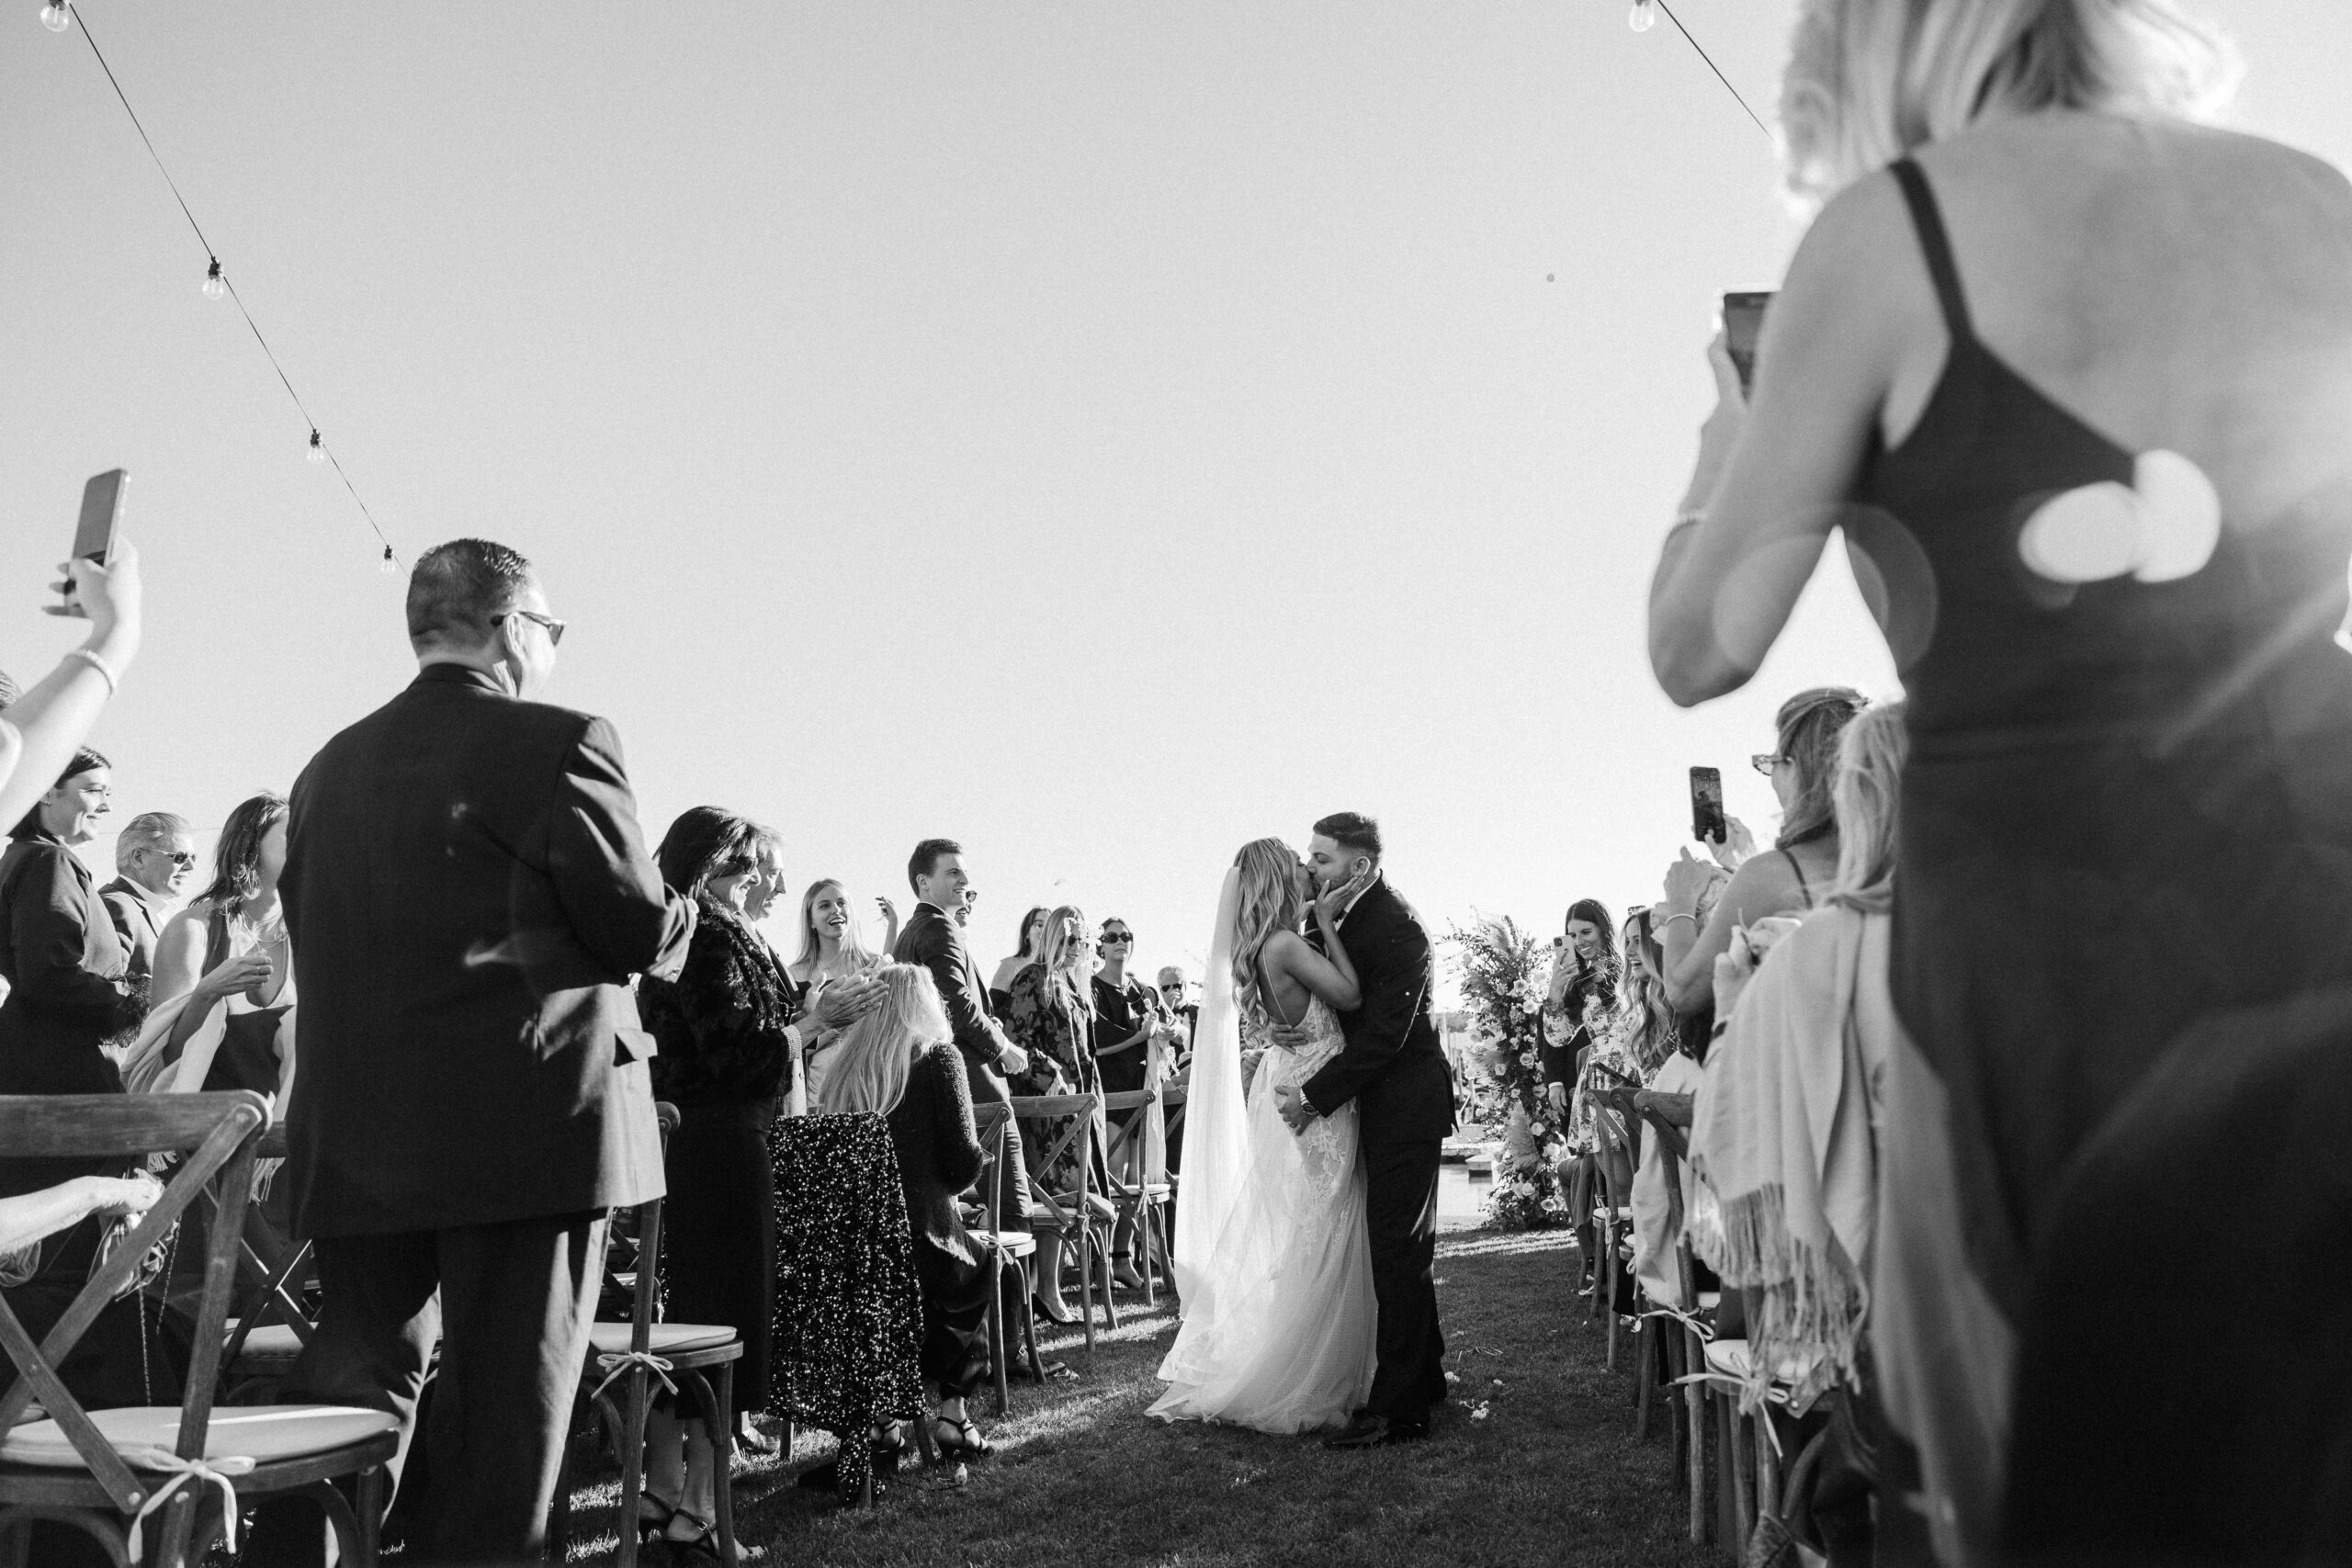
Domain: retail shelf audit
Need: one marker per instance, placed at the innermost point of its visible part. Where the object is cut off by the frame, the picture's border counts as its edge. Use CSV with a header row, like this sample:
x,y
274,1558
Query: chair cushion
x,y
1727,1356
1012,1244
257,1432
610,1338
1710,1300
270,1342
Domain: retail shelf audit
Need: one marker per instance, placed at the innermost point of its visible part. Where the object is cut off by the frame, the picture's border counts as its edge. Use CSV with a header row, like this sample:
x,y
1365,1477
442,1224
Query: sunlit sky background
x,y
1103,433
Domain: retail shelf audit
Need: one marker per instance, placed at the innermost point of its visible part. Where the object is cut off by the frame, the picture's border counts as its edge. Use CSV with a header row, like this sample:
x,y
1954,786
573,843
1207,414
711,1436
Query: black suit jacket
x,y
936,942
1392,1066
134,912
468,897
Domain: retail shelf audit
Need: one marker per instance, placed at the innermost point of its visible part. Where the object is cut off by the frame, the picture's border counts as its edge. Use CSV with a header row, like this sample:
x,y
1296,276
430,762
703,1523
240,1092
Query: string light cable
x,y
1641,21
58,16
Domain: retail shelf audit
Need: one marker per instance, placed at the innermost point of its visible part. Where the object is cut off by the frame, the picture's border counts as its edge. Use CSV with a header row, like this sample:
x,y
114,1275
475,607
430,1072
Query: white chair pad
x,y
272,1341
258,1432
662,1338
1710,1300
1731,1356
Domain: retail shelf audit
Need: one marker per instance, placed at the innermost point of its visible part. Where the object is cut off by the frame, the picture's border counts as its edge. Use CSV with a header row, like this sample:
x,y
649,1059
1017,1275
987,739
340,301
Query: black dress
x,y
1119,1011
2124,884
723,1062
939,1157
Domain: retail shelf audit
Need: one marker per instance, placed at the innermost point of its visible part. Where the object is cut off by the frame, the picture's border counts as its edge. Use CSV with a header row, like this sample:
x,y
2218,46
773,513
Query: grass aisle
x,y
1550,1472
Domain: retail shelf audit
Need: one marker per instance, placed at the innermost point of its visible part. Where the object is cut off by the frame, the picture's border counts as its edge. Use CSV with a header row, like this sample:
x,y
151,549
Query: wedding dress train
x,y
1278,1320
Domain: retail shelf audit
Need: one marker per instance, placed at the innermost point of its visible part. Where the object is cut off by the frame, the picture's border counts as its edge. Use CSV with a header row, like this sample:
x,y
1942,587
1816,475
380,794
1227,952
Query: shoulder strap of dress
x,y
1803,890
1928,219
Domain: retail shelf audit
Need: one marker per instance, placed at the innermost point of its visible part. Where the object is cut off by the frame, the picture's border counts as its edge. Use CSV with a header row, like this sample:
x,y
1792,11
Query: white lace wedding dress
x,y
1278,1331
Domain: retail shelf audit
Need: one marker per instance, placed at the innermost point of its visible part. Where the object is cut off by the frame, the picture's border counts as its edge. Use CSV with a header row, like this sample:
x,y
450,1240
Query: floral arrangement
x,y
1505,972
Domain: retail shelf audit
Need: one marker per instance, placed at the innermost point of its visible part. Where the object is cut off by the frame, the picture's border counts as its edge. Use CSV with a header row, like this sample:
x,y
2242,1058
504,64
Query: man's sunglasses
x,y
1177,989
554,628
181,858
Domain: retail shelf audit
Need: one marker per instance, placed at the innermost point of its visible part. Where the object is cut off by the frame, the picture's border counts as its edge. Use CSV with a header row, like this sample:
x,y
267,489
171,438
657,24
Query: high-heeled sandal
x,y
959,1437
1043,1309
653,1517
701,1545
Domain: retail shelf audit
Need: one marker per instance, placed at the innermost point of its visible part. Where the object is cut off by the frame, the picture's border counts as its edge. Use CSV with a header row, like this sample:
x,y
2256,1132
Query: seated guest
x,y
1052,1018
727,1029
900,1062
1785,1118
1789,879
154,858
226,959
1032,934
831,949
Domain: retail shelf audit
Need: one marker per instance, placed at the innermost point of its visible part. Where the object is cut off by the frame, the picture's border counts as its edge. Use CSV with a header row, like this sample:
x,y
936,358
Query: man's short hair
x,y
148,830
460,589
1352,831
926,860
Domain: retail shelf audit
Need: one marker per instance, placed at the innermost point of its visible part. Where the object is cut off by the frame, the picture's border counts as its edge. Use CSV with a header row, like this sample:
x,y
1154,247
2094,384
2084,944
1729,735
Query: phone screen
x,y
101,509
1707,824
1743,324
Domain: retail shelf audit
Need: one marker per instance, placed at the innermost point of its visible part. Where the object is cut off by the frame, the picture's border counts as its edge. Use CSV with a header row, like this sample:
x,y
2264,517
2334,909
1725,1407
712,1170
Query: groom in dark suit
x,y
1394,1069
468,895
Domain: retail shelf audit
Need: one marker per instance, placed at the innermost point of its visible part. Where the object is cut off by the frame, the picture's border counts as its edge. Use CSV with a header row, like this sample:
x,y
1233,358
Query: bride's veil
x,y
1217,1151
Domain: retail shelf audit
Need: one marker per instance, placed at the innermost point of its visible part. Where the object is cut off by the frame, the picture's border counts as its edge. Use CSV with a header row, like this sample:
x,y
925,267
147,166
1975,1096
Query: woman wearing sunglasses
x,y
1126,1017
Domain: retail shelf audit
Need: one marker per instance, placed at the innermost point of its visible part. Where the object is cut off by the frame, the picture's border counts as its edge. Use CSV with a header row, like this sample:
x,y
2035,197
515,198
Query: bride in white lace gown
x,y
1272,1260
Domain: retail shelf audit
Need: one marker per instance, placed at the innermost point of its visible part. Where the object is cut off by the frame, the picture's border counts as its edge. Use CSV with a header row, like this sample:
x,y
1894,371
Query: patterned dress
x,y
1051,1021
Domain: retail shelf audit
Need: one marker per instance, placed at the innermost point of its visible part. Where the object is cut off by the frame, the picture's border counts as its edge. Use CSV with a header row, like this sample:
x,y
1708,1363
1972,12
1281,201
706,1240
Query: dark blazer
x,y
134,912
69,991
1392,1066
468,895
934,942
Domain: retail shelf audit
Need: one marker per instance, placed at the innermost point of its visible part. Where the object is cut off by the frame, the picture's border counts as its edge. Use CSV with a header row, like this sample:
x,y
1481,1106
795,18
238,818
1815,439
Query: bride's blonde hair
x,y
1266,900
1869,80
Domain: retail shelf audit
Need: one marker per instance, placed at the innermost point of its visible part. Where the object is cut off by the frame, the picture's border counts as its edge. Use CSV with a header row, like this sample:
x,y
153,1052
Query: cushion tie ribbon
x,y
203,1472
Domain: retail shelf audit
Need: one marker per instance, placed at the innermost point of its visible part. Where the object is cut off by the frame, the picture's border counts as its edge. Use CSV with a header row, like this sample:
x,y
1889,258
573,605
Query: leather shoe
x,y
1377,1432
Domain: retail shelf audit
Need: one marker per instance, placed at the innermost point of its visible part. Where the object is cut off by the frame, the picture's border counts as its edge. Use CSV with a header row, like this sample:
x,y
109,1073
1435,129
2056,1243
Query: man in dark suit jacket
x,y
469,895
1394,1067
934,939
153,860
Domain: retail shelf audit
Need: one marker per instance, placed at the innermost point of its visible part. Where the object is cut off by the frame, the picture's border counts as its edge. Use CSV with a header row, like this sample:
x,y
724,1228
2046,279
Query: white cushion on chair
x,y
1710,1300
257,1432
271,1341
611,1338
1729,1357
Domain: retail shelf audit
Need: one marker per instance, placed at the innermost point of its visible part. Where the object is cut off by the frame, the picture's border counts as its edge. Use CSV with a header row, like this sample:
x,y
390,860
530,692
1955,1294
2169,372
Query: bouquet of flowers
x,y
1505,975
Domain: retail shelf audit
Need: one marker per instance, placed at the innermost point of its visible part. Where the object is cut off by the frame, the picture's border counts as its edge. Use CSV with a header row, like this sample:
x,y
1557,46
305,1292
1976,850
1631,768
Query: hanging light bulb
x,y
215,285
57,16
1642,17
318,451
389,566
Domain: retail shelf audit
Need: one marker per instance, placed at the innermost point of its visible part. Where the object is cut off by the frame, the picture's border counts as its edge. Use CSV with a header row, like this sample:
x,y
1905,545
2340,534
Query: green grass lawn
x,y
1549,1472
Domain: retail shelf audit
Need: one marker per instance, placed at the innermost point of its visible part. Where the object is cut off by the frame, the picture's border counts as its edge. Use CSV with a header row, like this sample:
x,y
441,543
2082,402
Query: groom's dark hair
x,y
1352,831
926,858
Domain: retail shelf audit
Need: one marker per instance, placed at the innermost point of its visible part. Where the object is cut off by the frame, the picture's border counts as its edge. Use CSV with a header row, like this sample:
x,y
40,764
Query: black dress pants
x,y
509,1304
1400,1215
718,1233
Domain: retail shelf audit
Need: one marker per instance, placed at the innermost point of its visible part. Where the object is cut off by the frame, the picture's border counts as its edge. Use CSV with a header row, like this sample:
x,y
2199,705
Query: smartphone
x,y
101,511
1743,324
1707,824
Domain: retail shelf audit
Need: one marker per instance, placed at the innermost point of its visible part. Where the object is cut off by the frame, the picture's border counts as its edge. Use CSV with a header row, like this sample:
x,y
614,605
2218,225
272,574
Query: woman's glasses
x,y
1117,938
1769,763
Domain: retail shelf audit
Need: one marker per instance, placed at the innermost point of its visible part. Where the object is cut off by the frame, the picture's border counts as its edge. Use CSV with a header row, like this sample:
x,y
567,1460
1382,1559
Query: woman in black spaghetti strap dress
x,y
2116,1226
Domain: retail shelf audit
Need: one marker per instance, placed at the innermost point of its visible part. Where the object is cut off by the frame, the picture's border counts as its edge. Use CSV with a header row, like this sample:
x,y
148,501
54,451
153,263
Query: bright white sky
x,y
1103,434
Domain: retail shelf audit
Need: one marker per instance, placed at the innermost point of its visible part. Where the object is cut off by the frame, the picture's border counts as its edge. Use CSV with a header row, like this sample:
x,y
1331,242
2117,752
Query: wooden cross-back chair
x,y
634,1355
1071,1216
111,1473
267,1339
1612,1216
1141,1201
1690,1428
993,1122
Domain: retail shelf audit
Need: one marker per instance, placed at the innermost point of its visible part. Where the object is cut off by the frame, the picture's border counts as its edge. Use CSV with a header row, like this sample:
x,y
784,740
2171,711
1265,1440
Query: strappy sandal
x,y
702,1545
959,1437
653,1517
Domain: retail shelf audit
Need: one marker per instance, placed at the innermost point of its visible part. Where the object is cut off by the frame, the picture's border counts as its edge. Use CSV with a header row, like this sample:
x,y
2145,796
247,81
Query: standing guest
x,y
1127,1026
1033,936
468,895
964,915
227,953
898,1062
726,1029
1174,995
1052,1021
2125,870
69,991
1788,879
763,885
1583,989
934,939
831,949
154,857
